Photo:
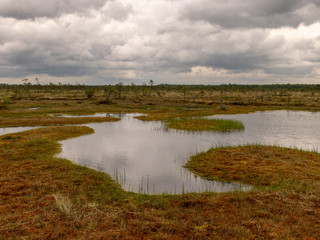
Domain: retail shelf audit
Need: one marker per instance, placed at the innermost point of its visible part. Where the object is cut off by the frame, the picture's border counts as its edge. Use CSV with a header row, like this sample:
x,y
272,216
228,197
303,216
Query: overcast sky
x,y
168,41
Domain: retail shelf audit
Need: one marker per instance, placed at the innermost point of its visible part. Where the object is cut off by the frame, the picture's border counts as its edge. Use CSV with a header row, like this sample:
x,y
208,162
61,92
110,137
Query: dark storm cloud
x,y
25,9
253,13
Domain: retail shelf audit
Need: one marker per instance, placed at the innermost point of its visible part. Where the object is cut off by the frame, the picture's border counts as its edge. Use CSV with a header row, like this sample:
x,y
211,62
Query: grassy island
x,y
257,165
203,124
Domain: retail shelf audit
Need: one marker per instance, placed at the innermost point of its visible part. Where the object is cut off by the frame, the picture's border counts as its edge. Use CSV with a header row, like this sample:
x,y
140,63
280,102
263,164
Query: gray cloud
x,y
25,9
253,13
118,10
168,41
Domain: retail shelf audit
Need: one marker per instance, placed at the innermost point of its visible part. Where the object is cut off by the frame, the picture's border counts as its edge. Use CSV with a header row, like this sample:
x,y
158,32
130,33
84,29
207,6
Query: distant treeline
x,y
168,87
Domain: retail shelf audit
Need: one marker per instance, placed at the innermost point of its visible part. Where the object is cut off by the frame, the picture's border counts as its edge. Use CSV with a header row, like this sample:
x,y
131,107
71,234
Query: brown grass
x,y
52,121
42,197
97,208
257,165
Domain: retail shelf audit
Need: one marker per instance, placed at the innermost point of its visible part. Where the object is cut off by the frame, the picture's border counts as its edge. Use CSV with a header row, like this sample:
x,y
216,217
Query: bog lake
x,y
147,157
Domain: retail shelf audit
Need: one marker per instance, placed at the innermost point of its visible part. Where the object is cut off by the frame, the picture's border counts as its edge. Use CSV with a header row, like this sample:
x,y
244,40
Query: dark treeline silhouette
x,y
166,87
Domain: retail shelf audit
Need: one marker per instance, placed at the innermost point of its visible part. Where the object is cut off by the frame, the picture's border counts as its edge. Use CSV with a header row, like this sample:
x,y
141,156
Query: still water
x,y
146,157
8,130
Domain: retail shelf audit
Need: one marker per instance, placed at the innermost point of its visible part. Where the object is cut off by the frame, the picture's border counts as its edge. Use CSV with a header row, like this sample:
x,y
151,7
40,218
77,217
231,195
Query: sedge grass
x,y
203,124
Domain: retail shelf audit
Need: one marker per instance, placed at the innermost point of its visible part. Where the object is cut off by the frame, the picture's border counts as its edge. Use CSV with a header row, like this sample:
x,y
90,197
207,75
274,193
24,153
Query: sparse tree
x,y
144,89
134,88
89,93
108,90
119,87
184,90
25,81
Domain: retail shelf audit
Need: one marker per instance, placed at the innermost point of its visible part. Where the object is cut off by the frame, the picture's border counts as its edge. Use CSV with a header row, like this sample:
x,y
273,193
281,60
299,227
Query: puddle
x,y
144,157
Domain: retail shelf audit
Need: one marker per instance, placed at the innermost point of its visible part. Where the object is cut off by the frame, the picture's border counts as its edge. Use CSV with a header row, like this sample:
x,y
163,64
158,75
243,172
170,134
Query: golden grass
x,y
63,203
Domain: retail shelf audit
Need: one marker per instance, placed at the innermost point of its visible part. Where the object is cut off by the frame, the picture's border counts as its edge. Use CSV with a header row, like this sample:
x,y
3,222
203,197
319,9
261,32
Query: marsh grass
x,y
63,203
284,206
203,124
51,121
257,165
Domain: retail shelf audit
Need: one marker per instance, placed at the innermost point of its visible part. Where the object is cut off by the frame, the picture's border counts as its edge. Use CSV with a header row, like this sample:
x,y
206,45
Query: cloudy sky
x,y
168,41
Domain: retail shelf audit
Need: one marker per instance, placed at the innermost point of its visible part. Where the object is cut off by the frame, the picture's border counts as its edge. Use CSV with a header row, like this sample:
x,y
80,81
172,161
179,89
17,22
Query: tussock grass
x,y
202,124
63,203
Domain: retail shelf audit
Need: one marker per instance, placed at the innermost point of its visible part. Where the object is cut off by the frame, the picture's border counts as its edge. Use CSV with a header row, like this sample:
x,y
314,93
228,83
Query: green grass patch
x,y
203,124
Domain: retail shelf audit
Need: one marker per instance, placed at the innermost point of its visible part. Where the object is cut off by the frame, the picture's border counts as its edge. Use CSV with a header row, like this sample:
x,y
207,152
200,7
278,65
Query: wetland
x,y
54,183
148,157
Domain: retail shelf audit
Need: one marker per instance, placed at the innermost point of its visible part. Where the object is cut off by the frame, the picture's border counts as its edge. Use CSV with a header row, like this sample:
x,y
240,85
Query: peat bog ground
x,y
43,197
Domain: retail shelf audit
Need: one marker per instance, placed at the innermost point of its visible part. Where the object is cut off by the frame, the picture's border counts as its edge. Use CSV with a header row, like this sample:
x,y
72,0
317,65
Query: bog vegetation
x,y
42,197
203,124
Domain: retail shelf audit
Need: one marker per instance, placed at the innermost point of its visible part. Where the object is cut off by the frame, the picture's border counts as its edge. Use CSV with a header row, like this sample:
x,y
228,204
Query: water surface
x,y
8,130
146,157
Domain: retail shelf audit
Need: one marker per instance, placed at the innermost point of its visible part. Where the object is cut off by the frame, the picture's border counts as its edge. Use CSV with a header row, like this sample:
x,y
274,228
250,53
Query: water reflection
x,y
140,156
294,129
115,115
8,130
145,157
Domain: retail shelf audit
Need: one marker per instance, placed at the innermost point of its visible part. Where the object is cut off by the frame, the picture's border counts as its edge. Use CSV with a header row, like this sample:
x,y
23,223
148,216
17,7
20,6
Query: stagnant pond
x,y
146,157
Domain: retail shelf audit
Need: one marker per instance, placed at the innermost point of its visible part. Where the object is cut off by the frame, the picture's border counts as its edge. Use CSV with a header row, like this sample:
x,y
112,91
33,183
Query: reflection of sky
x,y
285,128
4,131
143,156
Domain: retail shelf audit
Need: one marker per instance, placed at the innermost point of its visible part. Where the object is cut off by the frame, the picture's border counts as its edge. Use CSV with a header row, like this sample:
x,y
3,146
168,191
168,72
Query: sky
x,y
98,42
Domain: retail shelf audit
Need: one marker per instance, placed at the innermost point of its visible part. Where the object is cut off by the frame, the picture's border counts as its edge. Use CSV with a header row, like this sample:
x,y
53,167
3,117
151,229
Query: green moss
x,y
202,124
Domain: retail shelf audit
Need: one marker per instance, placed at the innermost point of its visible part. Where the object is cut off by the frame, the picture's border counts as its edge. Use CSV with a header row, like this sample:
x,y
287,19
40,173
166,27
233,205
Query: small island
x,y
203,124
